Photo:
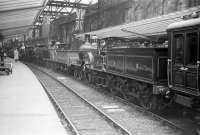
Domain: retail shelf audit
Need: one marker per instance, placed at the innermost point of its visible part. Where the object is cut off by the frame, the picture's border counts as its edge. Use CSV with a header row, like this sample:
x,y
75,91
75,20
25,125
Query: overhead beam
x,y
19,12
50,13
56,8
17,17
16,30
21,9
44,3
14,33
61,4
18,23
19,27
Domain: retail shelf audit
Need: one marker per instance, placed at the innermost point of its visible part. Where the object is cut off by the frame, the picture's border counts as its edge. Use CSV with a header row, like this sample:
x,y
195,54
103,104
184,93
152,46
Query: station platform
x,y
24,106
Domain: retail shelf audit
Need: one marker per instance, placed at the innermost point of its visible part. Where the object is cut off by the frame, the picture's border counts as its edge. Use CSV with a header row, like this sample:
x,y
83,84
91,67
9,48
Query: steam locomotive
x,y
153,75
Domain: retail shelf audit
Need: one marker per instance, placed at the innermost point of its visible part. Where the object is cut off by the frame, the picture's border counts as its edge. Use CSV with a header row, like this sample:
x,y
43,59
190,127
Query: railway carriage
x,y
184,60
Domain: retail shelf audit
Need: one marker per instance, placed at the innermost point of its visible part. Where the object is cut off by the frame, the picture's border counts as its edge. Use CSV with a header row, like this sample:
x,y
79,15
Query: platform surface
x,y
24,106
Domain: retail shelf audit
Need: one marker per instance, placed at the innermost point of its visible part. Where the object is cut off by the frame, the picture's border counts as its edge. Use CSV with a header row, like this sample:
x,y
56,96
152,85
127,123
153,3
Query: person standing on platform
x,y
1,50
52,49
1,56
16,55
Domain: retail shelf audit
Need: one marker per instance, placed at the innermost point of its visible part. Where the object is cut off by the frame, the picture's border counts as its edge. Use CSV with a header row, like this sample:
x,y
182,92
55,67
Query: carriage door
x,y
185,67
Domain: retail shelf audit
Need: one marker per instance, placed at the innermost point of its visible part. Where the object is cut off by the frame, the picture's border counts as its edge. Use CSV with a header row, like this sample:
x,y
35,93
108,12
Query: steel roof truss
x,y
57,8
53,13
66,4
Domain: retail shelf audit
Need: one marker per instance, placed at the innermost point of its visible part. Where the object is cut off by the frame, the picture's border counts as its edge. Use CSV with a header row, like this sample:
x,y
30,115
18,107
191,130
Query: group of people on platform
x,y
3,55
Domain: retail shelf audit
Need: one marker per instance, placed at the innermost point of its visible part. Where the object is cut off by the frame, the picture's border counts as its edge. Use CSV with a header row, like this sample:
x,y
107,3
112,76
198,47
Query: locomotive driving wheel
x,y
149,103
76,74
146,97
81,75
89,77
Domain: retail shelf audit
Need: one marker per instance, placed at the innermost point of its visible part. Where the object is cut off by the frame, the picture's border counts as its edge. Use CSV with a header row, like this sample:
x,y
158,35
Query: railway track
x,y
81,115
122,112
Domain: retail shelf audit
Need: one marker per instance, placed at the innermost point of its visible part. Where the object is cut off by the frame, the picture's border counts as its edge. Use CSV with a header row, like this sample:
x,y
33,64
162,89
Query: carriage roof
x,y
186,23
148,27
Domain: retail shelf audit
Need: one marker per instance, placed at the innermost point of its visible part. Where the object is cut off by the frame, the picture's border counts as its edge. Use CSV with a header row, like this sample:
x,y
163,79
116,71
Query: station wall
x,y
114,12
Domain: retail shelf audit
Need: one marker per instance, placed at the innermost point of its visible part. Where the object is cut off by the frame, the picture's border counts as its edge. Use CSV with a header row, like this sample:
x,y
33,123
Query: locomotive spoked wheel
x,y
153,102
81,75
114,92
149,103
146,98
89,78
75,74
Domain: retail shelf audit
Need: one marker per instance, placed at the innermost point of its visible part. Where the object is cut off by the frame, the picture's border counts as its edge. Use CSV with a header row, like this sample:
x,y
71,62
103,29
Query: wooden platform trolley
x,y
6,67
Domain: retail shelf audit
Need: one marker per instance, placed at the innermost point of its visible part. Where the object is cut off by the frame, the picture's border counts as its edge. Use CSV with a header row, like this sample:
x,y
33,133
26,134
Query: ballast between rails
x,y
59,109
145,111
155,116
115,124
140,109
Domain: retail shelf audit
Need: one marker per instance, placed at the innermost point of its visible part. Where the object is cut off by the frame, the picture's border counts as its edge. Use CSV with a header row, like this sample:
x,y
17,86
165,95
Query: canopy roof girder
x,y
55,8
53,13
18,13
67,4
15,6
17,16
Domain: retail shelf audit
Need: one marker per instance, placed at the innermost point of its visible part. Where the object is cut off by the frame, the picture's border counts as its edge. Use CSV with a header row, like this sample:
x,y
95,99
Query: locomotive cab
x,y
184,60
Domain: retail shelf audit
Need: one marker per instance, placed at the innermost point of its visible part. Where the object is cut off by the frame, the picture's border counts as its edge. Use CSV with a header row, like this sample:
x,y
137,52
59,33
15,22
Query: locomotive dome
x,y
87,46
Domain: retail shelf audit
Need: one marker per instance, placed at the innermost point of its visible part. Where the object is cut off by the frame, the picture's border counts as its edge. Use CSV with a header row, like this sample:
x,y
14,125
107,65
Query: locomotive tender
x,y
155,76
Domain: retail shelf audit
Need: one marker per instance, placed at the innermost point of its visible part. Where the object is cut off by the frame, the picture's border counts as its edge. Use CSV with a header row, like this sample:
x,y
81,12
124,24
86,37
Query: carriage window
x,y
179,48
191,48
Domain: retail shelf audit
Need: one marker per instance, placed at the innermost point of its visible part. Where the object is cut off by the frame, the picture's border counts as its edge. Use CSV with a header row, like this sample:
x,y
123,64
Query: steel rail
x,y
123,130
164,121
59,109
155,116
147,112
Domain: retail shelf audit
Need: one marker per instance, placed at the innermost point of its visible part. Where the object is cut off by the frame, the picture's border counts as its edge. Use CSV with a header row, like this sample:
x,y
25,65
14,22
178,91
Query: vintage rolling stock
x,y
153,75
183,60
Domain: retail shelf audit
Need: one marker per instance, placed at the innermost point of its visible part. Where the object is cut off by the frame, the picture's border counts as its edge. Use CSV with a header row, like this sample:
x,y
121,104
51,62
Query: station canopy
x,y
17,16
142,29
